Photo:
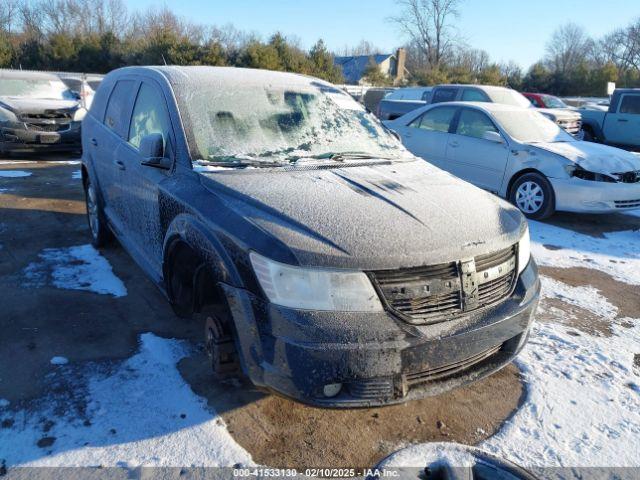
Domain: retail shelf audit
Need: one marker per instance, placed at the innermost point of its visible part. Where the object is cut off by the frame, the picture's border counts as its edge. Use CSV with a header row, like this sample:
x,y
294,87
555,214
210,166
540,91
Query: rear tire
x,y
219,342
100,233
533,195
588,135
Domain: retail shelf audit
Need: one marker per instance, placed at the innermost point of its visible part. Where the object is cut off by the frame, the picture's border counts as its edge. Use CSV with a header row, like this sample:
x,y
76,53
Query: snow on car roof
x,y
198,75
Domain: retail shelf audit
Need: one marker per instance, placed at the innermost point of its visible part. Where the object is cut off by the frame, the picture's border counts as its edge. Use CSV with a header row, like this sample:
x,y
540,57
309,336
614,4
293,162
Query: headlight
x,y
79,114
581,173
7,116
315,288
524,251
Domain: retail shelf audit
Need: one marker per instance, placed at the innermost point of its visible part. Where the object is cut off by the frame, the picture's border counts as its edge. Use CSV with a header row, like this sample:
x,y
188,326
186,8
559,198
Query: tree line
x,y
101,35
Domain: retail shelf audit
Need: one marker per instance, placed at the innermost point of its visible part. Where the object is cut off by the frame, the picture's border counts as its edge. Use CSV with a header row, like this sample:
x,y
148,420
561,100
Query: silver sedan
x,y
520,155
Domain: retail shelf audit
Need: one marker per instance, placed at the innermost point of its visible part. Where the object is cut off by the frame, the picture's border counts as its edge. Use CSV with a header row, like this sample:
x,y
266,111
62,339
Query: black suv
x,y
324,261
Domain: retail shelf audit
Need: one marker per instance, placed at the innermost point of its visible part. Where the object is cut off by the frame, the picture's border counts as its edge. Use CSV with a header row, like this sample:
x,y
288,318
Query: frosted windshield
x,y
509,97
277,122
35,88
531,127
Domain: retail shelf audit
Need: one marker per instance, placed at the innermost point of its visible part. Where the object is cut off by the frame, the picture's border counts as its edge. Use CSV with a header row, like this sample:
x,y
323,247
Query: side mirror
x,y
493,137
152,151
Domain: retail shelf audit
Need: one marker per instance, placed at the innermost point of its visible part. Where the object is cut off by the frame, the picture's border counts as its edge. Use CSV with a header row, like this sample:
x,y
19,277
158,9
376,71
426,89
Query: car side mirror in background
x,y
152,152
493,137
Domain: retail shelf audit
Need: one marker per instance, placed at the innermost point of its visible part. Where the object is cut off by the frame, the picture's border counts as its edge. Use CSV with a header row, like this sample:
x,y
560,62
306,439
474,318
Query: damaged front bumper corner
x,y
338,359
586,196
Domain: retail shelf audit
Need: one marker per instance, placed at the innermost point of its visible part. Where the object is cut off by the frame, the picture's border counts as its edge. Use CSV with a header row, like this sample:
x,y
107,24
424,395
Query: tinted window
x,y
473,123
444,95
534,102
150,115
630,104
118,107
437,119
473,95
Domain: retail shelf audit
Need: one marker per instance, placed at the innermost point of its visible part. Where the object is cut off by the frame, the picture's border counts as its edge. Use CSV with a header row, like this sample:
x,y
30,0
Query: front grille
x,y
47,115
376,388
435,293
627,203
48,127
438,373
570,126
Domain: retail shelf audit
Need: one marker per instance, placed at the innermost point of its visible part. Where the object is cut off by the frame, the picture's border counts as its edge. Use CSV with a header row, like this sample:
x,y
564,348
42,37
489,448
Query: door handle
x,y
623,120
94,142
454,144
119,164
407,135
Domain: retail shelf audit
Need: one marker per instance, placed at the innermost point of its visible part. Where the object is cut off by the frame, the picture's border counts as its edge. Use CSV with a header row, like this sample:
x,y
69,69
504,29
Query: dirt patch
x,y
554,310
623,295
281,433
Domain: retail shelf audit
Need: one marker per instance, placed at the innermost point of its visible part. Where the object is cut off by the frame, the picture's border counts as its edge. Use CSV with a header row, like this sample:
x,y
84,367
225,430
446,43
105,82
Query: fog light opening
x,y
331,389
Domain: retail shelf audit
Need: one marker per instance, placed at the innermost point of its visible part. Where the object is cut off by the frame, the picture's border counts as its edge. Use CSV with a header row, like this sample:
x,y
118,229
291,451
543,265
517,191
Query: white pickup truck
x,y
620,125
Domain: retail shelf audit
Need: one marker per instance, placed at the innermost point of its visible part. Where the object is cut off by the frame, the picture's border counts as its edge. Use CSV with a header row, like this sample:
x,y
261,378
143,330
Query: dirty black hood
x,y
369,217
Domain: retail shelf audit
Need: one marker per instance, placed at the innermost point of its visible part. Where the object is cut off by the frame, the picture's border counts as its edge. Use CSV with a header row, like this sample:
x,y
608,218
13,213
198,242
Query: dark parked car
x,y
38,112
324,260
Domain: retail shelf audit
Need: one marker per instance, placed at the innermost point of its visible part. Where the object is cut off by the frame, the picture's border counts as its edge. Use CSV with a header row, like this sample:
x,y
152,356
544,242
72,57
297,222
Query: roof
x,y
225,76
353,67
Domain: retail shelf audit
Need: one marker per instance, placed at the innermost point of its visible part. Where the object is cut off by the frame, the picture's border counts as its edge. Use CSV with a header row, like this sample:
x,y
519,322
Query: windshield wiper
x,y
237,161
339,156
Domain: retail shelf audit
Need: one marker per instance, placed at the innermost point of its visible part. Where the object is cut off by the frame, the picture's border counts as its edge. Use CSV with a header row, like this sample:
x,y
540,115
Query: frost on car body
x,y
325,261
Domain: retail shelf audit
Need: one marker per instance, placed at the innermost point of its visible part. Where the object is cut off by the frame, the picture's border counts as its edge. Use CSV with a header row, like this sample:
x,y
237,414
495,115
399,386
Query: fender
x,y
190,229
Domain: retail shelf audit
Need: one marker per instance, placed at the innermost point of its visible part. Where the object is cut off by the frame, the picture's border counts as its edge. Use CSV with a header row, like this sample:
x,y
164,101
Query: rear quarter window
x,y
116,116
444,95
630,104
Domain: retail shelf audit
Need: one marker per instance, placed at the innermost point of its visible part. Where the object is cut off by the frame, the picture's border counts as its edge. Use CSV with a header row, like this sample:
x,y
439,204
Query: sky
x,y
506,29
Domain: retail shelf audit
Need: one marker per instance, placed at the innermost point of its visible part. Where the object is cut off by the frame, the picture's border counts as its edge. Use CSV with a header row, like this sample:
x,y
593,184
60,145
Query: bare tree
x,y
428,25
8,15
568,47
365,47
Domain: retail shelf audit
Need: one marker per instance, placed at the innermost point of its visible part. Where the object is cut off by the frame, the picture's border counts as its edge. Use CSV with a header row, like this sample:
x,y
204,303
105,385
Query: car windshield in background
x,y
282,124
553,102
509,97
35,88
531,127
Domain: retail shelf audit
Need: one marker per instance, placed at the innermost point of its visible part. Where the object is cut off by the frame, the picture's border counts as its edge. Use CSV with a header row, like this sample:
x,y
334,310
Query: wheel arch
x,y
202,260
519,174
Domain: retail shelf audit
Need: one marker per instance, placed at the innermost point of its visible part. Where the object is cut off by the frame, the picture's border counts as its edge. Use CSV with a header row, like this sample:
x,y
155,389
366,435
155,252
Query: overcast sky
x,y
507,29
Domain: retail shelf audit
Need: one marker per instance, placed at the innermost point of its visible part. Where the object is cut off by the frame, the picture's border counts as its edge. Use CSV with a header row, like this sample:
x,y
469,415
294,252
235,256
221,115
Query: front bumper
x,y
585,196
19,138
377,358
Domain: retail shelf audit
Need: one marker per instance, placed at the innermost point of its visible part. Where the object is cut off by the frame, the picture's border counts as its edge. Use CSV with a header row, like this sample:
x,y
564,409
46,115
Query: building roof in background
x,y
353,67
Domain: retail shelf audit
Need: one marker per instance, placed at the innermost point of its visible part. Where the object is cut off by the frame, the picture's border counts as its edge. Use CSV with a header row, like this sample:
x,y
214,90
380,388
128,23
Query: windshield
x,y
509,97
278,123
529,126
35,88
553,102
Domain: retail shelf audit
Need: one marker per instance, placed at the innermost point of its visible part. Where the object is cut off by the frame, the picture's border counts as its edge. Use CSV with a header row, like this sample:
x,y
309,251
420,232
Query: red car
x,y
542,100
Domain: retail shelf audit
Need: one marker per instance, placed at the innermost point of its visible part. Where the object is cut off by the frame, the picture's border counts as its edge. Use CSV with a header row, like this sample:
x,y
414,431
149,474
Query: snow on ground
x,y
616,254
137,413
14,173
75,268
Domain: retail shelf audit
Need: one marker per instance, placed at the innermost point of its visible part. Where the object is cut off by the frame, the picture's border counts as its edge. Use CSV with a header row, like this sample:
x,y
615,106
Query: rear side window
x,y
473,123
444,95
116,116
436,120
630,104
150,115
474,95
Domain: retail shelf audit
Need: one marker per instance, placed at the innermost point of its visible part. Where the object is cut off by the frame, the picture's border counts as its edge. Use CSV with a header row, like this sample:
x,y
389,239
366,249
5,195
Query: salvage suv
x,y
38,112
324,261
